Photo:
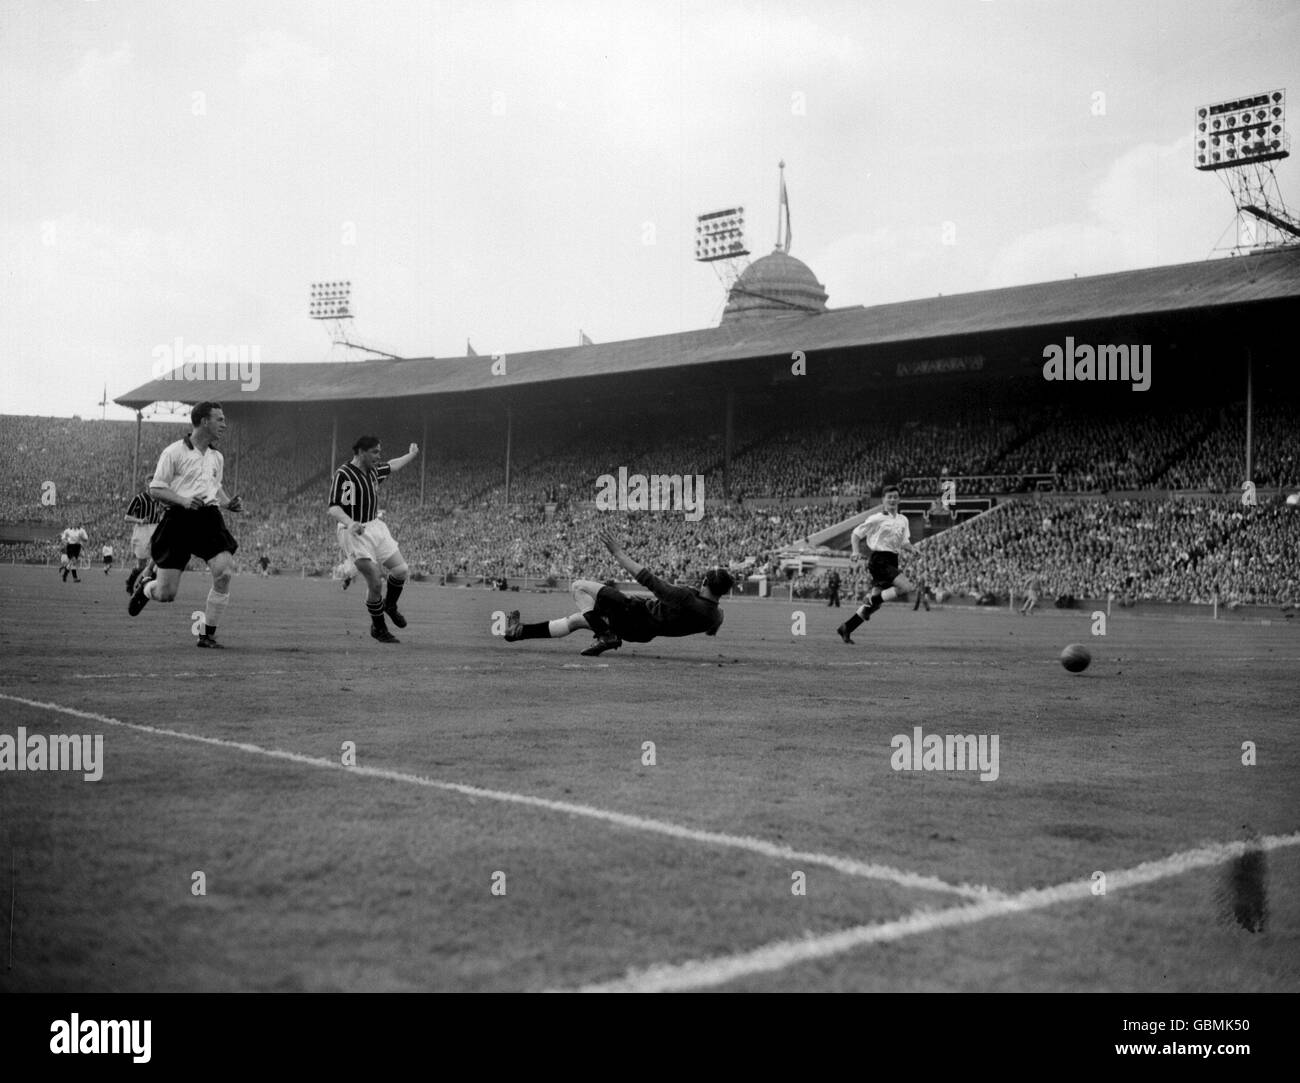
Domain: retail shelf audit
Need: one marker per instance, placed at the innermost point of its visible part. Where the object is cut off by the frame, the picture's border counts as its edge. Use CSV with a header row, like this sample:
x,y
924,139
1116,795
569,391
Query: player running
x,y
364,536
144,513
1033,589
73,539
615,617
887,534
188,481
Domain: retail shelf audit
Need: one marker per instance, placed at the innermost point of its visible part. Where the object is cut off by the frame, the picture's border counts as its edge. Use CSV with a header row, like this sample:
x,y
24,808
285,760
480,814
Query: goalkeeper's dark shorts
x,y
185,532
883,569
628,618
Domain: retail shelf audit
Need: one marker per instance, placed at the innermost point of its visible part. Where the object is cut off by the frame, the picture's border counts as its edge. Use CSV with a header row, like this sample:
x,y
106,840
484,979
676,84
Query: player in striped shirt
x,y
145,513
886,533
364,536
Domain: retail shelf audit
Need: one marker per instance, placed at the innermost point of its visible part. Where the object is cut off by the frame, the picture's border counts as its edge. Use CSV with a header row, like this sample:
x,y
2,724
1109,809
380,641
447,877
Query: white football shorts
x,y
141,536
375,543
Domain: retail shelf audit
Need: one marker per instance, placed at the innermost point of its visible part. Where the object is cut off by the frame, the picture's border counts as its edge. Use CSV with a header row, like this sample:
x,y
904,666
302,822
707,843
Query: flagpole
x,y
780,198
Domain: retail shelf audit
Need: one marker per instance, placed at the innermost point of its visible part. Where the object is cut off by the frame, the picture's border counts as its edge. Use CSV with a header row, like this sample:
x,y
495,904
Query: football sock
x,y
544,629
376,611
215,611
854,620
395,586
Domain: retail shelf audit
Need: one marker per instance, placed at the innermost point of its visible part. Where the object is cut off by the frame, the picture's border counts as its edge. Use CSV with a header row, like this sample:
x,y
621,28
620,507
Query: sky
x,y
511,172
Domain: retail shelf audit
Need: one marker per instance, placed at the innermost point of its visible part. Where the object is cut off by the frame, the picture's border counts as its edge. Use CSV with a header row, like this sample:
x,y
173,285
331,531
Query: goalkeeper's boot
x,y
843,632
206,640
606,641
514,627
139,599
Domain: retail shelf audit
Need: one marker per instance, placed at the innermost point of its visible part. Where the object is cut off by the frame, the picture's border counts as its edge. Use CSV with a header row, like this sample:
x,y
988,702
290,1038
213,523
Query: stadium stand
x,y
817,469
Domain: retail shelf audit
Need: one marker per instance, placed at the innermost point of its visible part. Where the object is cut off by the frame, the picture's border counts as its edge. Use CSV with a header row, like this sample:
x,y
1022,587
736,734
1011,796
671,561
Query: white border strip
x,y
847,865
705,973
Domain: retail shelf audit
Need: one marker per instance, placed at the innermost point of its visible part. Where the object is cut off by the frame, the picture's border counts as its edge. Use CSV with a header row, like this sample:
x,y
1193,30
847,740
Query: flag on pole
x,y
785,202
583,340
469,350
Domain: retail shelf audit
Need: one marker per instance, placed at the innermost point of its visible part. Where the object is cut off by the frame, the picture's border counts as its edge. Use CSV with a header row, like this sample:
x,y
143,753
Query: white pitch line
x,y
847,865
705,973
169,674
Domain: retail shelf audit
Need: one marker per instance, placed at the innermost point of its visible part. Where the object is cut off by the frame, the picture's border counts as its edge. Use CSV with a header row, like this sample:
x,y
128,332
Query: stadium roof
x,y
1222,283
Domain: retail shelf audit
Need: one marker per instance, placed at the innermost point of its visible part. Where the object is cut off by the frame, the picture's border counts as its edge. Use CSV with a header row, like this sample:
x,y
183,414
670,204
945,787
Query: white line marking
x,y
172,673
847,865
704,973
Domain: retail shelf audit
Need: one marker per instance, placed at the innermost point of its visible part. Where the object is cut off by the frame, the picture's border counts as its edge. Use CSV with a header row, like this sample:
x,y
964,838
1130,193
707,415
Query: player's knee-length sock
x,y
546,629
376,611
215,611
860,616
395,586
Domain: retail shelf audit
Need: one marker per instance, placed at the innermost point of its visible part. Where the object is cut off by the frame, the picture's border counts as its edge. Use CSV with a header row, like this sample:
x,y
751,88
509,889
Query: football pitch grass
x,y
689,814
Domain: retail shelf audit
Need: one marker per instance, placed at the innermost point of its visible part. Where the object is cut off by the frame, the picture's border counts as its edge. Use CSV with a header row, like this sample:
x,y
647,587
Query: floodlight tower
x,y
332,302
720,240
1240,139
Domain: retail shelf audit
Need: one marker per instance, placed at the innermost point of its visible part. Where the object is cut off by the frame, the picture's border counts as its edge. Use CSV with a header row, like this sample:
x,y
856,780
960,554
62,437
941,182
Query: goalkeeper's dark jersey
x,y
677,611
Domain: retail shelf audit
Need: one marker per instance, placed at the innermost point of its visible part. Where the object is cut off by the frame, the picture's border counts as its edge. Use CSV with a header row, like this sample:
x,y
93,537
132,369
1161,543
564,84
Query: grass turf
x,y
319,879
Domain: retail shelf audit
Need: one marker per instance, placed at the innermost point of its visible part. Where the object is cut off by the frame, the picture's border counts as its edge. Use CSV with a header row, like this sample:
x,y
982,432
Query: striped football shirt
x,y
144,507
355,490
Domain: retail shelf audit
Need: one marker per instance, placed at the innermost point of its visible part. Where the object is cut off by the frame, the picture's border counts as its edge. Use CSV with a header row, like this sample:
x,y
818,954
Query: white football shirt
x,y
188,472
884,532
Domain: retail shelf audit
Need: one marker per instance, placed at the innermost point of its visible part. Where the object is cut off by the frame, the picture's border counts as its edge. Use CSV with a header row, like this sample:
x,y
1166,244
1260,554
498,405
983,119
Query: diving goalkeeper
x,y
615,616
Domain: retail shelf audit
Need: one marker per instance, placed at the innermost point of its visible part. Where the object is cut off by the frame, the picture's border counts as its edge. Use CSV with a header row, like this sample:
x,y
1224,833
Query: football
x,y
1075,658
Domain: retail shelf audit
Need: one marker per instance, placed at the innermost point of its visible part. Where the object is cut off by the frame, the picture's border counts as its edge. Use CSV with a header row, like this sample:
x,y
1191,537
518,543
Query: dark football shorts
x,y
185,532
628,618
73,551
883,569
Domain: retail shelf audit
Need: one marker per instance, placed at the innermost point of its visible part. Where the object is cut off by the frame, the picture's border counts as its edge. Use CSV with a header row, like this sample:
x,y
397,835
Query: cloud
x,y
1147,209
99,69
274,58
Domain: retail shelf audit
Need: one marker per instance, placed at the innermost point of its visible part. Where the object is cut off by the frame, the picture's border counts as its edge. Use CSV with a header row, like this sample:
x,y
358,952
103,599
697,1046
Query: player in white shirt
x,y
108,558
73,539
188,481
885,534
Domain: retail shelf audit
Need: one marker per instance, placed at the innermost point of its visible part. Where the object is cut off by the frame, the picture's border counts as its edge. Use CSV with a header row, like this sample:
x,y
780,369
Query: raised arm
x,y
396,464
632,567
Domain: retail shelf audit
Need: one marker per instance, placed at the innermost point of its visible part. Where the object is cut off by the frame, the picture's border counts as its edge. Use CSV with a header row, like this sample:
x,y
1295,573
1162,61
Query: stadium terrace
x,y
1122,363
658,492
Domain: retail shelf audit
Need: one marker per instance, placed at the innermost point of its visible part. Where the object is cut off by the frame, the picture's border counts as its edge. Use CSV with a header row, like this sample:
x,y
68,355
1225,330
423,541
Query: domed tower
x,y
777,284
